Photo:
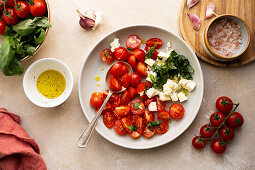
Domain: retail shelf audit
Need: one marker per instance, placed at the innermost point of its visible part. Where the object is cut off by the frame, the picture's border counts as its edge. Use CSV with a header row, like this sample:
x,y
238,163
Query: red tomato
x,y
108,107
135,134
2,27
137,106
160,104
139,54
198,142
122,111
235,120
133,41
114,100
125,80
142,87
124,69
117,70
135,79
132,92
10,3
222,106
151,42
127,122
119,128
107,56
218,146
154,55
148,133
216,119
139,124
2,6
125,98
38,9
207,131
163,115
141,68
12,20
227,133
23,12
108,119
96,99
162,128
149,116
115,84
121,54
149,100
105,93
176,111
132,61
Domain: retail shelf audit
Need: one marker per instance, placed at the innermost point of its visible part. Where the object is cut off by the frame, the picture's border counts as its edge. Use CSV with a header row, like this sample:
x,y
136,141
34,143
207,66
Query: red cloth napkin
x,y
17,150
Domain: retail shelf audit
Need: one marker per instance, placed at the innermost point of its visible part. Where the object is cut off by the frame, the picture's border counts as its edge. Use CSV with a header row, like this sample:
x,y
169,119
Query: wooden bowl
x,y
243,47
46,32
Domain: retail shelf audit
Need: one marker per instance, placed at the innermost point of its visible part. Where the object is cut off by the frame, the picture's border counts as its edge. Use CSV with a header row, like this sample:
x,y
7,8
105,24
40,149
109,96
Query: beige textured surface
x,y
56,130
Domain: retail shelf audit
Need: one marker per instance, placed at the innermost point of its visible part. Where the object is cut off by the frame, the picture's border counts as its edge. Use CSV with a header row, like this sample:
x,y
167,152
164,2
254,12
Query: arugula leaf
x,y
136,105
133,128
41,37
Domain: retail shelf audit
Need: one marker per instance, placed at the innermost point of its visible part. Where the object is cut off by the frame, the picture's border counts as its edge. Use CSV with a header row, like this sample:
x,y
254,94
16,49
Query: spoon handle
x,y
86,134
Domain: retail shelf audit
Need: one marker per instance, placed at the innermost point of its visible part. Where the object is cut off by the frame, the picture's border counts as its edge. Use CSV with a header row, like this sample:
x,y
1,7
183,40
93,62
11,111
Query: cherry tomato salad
x,y
23,25
137,111
222,124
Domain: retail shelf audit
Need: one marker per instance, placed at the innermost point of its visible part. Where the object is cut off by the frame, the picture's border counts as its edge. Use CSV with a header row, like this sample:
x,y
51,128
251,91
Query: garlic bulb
x,y
89,19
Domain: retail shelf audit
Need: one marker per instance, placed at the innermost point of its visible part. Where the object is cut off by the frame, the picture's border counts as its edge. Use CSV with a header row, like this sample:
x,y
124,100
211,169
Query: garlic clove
x,y
195,21
210,10
191,3
89,19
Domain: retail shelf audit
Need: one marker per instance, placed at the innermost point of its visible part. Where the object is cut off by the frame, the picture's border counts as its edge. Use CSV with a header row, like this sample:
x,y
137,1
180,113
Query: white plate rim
x,y
199,69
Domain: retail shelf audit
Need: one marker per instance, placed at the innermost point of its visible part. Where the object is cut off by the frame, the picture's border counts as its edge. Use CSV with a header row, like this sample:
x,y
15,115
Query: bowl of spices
x,y
48,82
226,37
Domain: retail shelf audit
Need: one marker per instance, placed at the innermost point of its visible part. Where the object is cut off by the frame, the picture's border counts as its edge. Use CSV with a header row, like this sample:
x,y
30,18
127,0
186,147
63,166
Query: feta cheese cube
x,y
160,62
151,73
190,85
168,46
172,84
115,44
174,97
152,107
167,89
163,97
152,92
182,97
163,55
150,62
183,82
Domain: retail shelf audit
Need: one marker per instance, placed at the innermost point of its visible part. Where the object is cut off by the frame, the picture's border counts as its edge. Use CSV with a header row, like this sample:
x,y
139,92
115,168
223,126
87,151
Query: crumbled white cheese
x,y
163,97
167,89
183,82
152,107
174,97
151,92
163,55
115,44
182,97
150,62
190,85
168,46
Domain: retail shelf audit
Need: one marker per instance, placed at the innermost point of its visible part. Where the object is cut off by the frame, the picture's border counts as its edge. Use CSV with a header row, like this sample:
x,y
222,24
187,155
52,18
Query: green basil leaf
x,y
133,128
14,68
136,105
41,37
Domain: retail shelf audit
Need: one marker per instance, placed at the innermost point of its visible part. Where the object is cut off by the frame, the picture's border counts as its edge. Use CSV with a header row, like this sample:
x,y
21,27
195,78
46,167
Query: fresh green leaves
x,y
41,37
149,53
106,53
153,123
136,105
133,128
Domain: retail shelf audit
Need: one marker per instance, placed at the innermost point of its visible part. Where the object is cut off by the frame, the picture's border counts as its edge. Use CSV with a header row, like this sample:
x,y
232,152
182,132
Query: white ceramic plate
x,y
92,67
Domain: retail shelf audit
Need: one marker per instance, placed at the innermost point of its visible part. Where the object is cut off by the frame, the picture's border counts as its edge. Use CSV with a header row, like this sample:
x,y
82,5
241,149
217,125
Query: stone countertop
x,y
56,130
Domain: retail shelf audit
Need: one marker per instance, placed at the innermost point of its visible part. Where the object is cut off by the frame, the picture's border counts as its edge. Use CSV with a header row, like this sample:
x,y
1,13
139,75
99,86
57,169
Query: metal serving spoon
x,y
87,133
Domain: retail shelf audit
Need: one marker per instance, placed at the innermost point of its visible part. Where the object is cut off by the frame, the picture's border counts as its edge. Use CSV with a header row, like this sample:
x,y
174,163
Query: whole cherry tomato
x,y
198,142
224,104
139,54
163,115
218,146
235,120
119,127
227,133
115,84
117,70
133,42
216,119
151,43
10,3
121,54
141,68
22,9
2,27
96,99
108,119
38,8
12,19
207,131
135,79
176,111
107,56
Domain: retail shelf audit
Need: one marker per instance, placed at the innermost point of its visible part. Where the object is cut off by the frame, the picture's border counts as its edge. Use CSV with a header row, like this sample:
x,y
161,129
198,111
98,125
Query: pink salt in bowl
x,y
226,37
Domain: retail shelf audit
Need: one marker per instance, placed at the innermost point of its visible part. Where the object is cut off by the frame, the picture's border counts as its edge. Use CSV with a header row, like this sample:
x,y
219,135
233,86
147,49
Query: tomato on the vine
x,y
207,131
2,6
198,142
216,119
107,56
227,133
22,9
10,3
218,146
176,111
133,42
38,8
12,19
151,43
224,104
96,99
2,27
235,120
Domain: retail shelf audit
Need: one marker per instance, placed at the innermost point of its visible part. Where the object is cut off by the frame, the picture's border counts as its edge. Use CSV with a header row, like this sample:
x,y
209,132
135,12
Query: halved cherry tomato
x,y
235,120
198,142
117,69
107,56
176,111
132,92
132,61
121,54
114,100
115,84
23,12
122,111
134,117
149,116
125,80
163,115
154,55
141,68
108,107
38,9
125,98
147,101
96,99
127,122
133,41
135,134
218,146
227,133
162,128
222,106
139,124
151,42
142,87
105,93
207,131
137,106
160,104
12,19
108,119
148,133
119,127
135,79
2,27
216,119
139,54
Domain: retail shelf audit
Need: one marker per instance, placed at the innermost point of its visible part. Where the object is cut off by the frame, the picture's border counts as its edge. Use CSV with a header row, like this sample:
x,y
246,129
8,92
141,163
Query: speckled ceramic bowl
x,y
245,33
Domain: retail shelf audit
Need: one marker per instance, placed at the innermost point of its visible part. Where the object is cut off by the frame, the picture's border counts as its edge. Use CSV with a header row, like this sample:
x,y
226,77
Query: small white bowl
x,y
34,71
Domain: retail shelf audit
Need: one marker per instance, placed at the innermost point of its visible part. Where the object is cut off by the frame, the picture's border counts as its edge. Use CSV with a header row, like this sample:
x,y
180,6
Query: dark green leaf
x,y
136,105
41,37
106,53
133,128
